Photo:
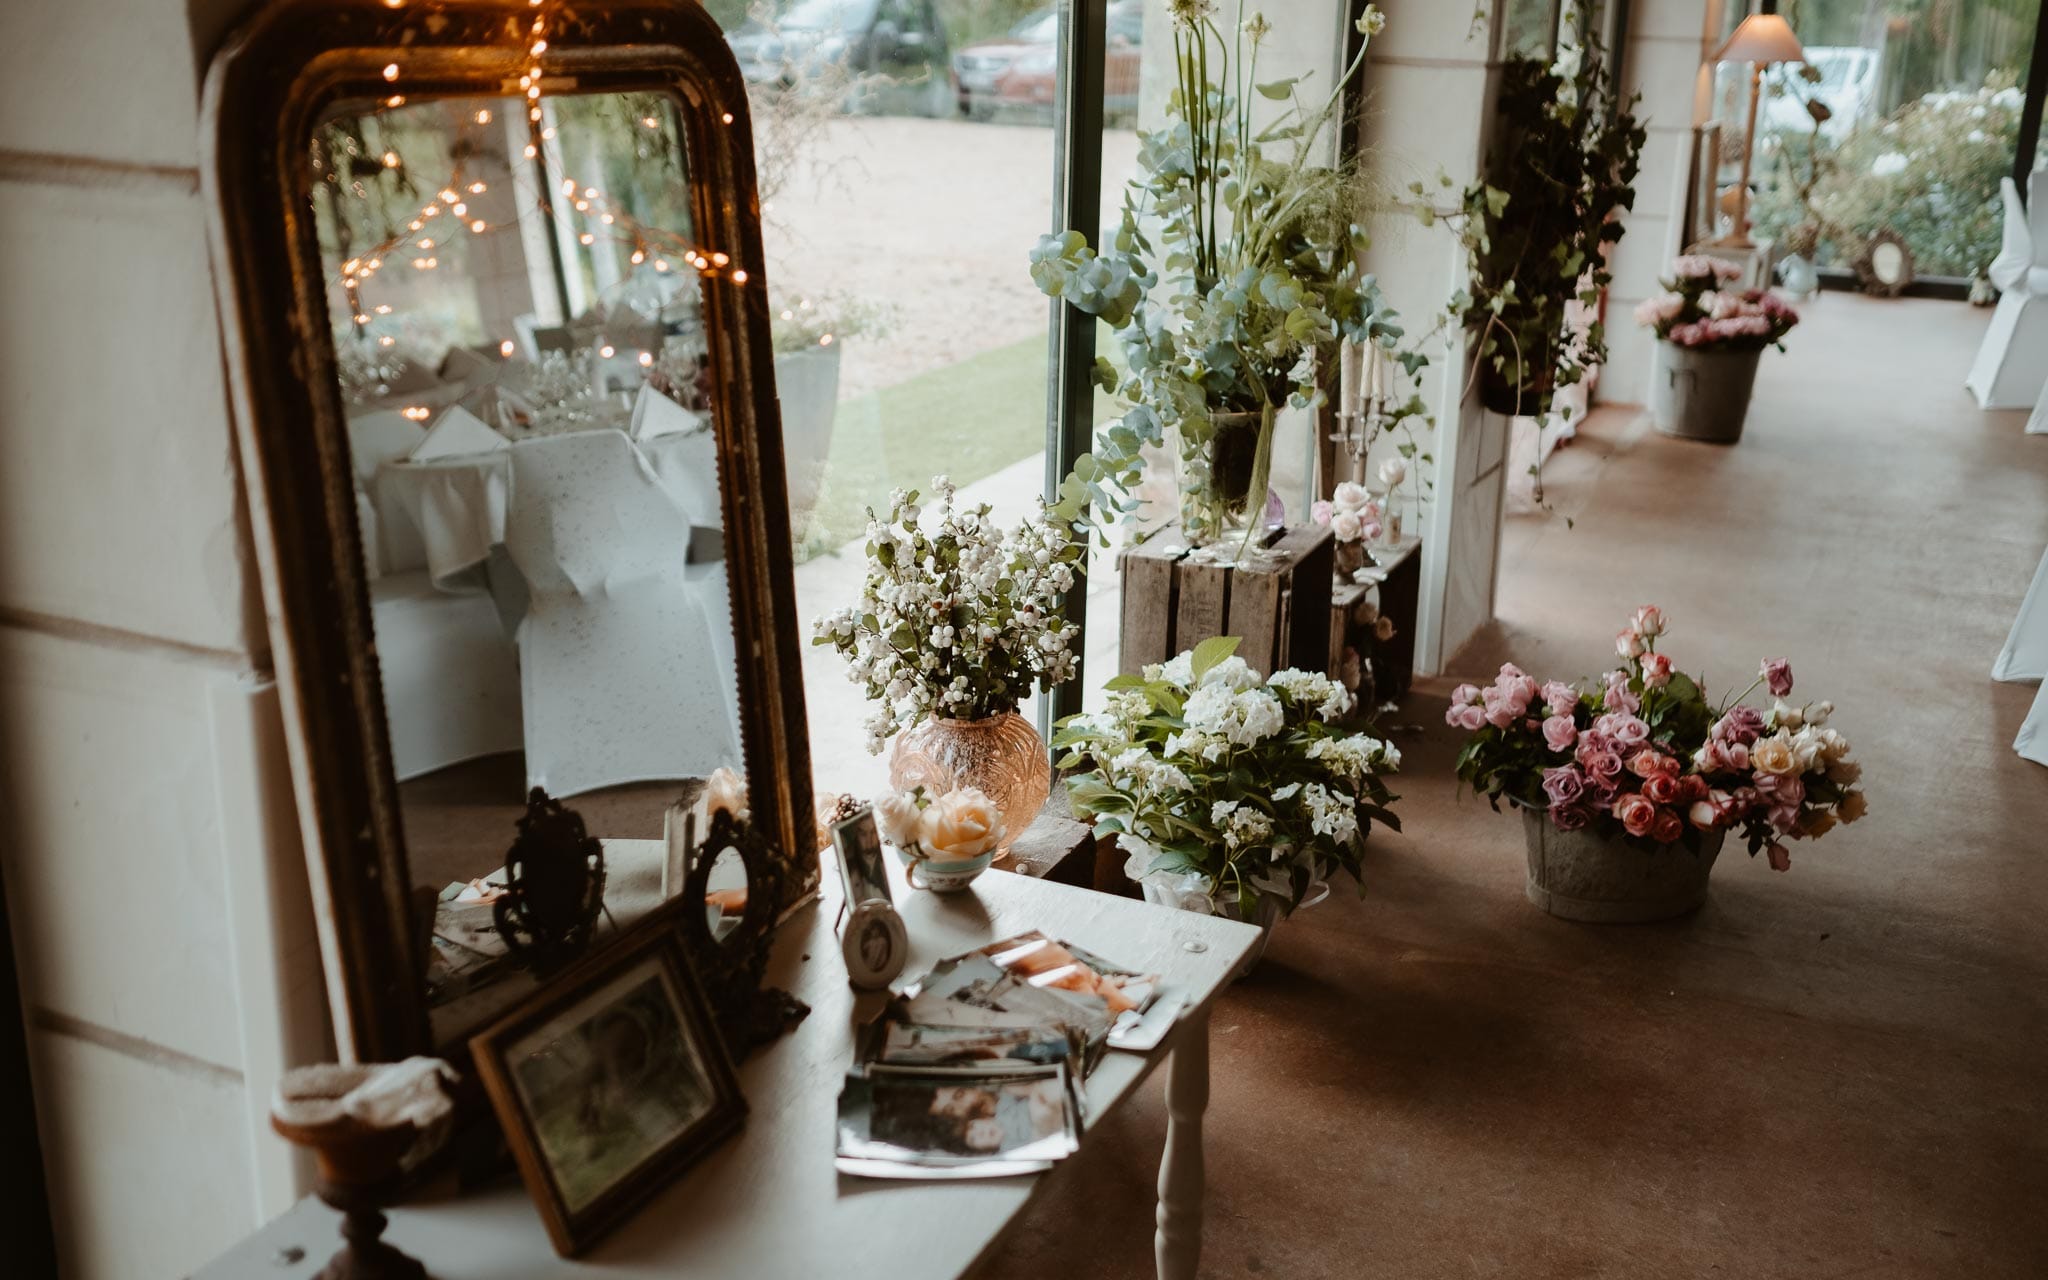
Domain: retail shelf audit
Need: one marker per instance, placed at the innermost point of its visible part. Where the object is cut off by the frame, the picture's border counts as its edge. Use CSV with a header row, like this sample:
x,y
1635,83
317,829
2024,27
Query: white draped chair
x,y
2025,656
2032,742
620,678
449,671
2012,364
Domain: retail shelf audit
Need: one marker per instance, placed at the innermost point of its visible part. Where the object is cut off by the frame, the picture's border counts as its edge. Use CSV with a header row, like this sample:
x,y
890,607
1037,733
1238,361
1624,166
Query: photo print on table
x,y
609,1081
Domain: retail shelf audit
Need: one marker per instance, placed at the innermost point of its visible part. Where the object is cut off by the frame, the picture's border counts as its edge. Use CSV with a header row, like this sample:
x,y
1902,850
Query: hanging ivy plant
x,y
1537,227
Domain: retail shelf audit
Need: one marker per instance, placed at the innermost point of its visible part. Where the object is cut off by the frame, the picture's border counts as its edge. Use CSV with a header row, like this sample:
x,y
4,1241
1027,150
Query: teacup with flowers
x,y
946,840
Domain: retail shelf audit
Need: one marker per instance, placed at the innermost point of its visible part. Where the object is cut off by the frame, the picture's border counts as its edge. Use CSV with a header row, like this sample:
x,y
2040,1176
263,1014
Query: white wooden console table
x,y
768,1204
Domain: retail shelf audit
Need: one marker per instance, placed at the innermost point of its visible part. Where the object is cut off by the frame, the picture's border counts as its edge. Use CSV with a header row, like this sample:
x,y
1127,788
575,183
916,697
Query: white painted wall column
x,y
1432,79
1665,61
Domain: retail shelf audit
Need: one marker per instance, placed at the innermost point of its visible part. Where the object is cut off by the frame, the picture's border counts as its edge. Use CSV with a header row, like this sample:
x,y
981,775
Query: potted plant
x,y
1235,260
1628,790
957,622
1711,338
1231,793
1536,230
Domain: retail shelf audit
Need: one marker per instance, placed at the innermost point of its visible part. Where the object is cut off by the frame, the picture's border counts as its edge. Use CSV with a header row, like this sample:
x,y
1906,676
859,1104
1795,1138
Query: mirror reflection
x,y
519,332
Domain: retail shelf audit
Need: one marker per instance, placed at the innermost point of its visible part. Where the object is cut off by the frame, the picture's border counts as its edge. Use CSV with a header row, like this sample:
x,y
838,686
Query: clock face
x,y
1888,263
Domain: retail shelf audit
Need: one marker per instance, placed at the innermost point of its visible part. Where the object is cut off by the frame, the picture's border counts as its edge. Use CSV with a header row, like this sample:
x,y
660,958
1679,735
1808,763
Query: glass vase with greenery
x,y
1236,259
1537,227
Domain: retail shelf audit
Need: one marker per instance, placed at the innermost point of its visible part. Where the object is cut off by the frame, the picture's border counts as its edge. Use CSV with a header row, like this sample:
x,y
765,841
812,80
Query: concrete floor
x,y
1837,1071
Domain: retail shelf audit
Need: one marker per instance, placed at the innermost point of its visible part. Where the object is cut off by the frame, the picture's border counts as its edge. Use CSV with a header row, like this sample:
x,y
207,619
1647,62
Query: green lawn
x,y
967,421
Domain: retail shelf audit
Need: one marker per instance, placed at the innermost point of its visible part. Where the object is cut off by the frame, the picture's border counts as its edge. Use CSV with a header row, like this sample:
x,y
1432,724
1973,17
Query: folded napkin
x,y
458,432
654,414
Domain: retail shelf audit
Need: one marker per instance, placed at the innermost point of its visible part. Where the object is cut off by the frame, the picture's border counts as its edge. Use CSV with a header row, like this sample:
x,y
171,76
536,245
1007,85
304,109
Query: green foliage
x,y
1930,173
1537,228
1234,260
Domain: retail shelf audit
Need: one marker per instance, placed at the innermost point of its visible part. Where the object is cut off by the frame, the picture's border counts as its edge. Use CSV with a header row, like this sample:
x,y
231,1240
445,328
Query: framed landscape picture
x,y
609,1081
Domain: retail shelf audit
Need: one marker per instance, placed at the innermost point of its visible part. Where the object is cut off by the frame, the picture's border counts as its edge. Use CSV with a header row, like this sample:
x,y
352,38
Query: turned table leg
x,y
1177,1246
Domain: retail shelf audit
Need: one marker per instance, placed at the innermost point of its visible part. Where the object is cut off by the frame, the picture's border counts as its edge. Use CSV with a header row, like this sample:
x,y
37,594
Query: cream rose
x,y
960,825
1347,526
1852,807
897,817
1845,773
725,791
1773,755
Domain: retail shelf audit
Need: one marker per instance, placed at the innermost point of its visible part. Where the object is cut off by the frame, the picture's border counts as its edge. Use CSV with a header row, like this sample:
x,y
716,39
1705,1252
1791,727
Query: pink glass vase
x,y
1002,756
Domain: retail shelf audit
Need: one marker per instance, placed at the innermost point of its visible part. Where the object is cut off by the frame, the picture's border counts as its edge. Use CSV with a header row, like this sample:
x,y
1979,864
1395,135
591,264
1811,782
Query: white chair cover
x,y
2012,363
654,414
2025,656
375,440
451,677
619,676
2032,742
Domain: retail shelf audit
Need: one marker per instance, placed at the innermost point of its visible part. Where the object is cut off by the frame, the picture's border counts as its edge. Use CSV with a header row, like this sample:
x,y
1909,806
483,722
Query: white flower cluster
x,y
957,619
1209,770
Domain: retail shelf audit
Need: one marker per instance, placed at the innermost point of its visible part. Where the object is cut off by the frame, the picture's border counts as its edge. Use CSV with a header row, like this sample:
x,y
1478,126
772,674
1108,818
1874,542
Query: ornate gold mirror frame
x,y
270,85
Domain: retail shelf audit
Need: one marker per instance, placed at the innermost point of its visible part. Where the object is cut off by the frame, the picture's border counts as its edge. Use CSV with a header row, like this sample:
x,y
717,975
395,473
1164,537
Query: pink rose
x,y
1742,725
1704,814
1619,696
1628,644
1723,757
1784,818
1465,693
1692,787
1499,711
1563,785
1466,717
1781,857
1777,673
1636,814
1648,622
1625,729
1319,511
1560,697
1656,670
1569,817
1602,764
1663,788
1559,732
1650,762
1667,828
1781,788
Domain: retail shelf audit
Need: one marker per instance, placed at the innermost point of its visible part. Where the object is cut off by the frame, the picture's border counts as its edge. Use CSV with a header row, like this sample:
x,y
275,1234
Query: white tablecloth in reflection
x,y
455,507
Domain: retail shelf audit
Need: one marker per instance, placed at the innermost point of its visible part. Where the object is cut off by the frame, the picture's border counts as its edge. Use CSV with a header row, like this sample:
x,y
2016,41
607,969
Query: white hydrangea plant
x,y
1226,787
958,619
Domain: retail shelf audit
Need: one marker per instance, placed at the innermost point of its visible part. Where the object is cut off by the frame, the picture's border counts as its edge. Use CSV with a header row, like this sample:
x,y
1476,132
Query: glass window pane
x,y
905,161
1901,119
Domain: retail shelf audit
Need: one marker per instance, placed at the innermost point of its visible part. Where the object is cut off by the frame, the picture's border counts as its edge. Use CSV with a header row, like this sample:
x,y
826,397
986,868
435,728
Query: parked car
x,y
895,50
1847,87
1019,72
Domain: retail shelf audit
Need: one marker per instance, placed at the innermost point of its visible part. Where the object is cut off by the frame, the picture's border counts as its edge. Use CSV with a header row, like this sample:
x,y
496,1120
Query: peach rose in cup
x,y
960,825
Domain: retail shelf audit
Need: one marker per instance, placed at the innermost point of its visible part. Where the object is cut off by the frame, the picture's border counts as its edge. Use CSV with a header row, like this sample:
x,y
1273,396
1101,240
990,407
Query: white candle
x,y
1376,374
1347,376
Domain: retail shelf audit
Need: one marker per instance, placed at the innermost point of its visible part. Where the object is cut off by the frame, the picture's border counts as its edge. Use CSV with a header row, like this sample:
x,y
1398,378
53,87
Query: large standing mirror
x,y
500,348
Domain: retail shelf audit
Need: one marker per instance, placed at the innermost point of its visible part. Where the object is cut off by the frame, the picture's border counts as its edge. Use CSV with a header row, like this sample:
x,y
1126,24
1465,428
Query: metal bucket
x,y
1702,394
1581,875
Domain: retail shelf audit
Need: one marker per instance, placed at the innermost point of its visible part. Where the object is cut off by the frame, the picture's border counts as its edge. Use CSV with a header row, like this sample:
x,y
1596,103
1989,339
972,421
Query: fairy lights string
x,y
602,218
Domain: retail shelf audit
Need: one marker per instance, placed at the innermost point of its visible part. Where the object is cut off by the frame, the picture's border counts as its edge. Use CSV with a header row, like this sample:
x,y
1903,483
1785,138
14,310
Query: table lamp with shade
x,y
1762,39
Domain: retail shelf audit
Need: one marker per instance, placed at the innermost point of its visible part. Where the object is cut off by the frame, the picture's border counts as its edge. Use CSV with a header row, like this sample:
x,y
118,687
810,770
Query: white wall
x,y
1432,77
146,834
1667,39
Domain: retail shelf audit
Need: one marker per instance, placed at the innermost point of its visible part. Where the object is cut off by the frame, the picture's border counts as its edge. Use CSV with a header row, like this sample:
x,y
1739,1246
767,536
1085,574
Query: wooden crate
x,y
1278,605
1394,594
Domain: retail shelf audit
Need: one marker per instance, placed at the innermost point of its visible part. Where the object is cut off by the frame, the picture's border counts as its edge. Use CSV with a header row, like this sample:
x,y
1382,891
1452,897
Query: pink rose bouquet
x,y
1352,514
1646,758
1696,310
